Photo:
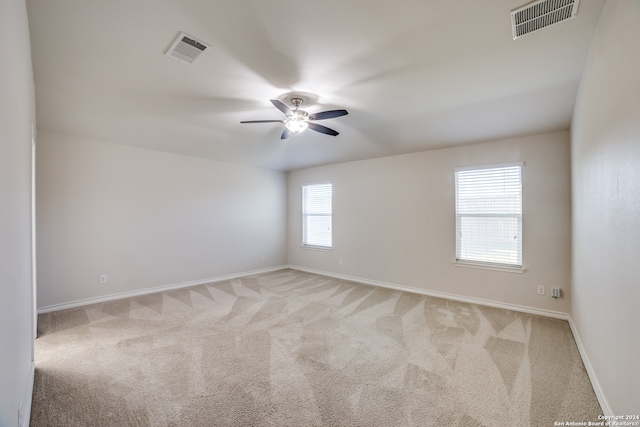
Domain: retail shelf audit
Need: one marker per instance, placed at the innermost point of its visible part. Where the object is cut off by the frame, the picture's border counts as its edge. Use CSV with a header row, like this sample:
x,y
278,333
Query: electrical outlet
x,y
103,279
555,293
540,289
264,257
340,262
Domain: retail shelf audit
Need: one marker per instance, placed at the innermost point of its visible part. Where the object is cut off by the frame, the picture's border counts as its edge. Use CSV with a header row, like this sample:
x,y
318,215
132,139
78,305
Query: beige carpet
x,y
296,349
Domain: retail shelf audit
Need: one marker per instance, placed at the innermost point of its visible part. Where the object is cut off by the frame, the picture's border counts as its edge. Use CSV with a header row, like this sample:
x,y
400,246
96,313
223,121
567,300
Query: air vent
x,y
187,49
540,14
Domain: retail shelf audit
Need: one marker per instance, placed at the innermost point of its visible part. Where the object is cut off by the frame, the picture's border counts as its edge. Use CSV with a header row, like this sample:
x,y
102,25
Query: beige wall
x,y
394,221
16,297
606,206
148,218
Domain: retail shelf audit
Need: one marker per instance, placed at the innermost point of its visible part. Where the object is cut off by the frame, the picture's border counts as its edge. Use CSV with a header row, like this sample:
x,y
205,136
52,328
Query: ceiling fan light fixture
x,y
297,121
296,125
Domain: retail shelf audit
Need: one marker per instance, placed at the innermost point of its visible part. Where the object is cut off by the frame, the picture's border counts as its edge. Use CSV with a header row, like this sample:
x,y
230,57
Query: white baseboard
x,y
112,297
461,298
602,400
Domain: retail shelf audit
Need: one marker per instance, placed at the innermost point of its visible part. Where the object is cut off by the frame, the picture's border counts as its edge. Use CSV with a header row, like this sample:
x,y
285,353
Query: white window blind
x,y
489,216
316,215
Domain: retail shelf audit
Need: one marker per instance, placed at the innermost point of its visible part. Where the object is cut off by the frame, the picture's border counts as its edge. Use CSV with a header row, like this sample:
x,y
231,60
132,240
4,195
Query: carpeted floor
x,y
295,349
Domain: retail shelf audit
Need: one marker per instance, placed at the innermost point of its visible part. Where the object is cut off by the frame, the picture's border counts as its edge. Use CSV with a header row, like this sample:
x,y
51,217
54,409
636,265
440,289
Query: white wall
x,y
606,206
148,218
16,114
394,221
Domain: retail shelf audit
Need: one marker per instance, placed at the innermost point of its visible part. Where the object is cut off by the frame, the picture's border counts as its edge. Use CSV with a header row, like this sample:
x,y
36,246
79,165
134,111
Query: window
x,y
316,215
489,215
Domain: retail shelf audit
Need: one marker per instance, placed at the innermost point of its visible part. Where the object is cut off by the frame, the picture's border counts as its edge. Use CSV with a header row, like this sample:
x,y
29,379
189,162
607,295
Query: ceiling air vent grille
x,y
187,49
542,13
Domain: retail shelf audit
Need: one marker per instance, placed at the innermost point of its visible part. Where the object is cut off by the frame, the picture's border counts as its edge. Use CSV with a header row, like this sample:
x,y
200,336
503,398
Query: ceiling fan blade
x,y
281,106
286,134
328,114
263,121
323,129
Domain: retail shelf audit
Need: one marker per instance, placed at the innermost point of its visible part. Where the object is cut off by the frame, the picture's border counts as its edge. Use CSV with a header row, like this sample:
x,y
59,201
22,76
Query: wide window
x,y
316,215
489,215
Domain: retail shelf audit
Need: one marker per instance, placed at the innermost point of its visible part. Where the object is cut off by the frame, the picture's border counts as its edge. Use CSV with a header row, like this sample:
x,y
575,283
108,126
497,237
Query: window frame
x,y
482,264
305,215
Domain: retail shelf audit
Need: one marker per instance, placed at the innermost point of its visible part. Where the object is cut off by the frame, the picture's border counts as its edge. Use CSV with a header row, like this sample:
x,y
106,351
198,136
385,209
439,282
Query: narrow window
x,y
489,215
316,215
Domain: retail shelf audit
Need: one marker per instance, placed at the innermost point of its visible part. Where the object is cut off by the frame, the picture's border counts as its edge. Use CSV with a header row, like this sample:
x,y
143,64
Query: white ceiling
x,y
414,74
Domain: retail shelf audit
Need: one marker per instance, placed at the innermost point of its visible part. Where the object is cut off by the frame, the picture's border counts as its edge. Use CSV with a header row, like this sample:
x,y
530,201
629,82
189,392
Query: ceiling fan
x,y
298,120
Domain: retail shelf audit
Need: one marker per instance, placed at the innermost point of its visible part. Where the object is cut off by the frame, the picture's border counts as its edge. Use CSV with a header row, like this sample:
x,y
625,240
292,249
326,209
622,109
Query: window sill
x,y
317,248
481,266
